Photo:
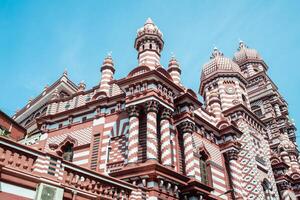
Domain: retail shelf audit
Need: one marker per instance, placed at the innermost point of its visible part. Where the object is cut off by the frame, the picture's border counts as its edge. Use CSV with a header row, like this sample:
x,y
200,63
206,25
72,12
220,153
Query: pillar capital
x,y
152,106
133,111
186,127
232,154
166,114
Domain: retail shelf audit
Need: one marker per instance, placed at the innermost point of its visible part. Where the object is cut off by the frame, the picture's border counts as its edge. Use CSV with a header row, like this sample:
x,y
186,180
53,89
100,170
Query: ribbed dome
x,y
149,28
219,63
244,53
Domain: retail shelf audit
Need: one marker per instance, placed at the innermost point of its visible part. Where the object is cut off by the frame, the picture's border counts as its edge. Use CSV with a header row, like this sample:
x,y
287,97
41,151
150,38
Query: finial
x,y
172,56
216,53
65,72
46,87
149,21
81,86
241,45
109,54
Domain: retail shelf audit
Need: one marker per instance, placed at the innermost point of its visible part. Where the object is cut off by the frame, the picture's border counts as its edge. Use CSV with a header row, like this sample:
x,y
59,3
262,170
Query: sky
x,y
40,39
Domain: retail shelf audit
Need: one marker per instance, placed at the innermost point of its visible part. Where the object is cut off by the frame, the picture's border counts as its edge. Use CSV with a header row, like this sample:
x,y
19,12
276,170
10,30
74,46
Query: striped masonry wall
x,y
149,58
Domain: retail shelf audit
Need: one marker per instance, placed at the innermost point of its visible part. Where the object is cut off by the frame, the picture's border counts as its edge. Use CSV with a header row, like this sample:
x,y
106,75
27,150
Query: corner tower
x,y
149,44
222,84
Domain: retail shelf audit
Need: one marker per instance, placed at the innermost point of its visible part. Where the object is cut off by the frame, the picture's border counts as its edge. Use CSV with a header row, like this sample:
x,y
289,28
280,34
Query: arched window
x,y
203,170
244,100
150,46
67,152
204,166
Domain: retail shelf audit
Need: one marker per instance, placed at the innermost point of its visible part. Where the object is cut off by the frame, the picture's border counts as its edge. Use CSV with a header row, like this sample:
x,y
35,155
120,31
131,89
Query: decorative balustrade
x,y
17,157
91,183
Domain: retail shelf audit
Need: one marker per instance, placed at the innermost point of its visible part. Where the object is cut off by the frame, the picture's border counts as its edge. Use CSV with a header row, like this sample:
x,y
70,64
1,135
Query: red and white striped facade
x,y
149,130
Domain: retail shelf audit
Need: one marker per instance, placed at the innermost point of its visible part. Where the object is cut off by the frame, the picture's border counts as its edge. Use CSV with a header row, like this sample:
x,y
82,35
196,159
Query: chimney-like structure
x,y
174,70
149,45
107,72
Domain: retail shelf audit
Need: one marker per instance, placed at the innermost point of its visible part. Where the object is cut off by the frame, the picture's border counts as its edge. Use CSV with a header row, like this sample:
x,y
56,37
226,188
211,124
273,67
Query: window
x,y
203,170
68,152
244,99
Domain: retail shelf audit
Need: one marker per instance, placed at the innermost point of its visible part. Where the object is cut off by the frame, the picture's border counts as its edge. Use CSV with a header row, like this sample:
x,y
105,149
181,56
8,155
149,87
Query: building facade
x,y
150,137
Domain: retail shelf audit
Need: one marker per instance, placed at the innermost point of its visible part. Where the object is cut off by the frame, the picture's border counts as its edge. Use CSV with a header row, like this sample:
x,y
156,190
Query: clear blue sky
x,y
39,39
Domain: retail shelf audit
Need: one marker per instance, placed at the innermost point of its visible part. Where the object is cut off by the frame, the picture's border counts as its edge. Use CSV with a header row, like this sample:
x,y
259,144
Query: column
x,y
166,155
189,160
235,173
133,135
152,109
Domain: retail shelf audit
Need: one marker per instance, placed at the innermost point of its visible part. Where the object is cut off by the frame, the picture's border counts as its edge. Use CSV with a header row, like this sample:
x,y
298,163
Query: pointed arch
x,y
204,164
66,148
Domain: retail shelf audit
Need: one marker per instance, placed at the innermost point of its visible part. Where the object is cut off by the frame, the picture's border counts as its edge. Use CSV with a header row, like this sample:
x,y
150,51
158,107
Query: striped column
x,y
133,135
235,173
166,155
152,109
107,71
187,129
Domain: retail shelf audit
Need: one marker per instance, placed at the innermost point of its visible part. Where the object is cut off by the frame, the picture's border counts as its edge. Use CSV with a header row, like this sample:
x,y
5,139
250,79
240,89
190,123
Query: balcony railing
x,y
19,158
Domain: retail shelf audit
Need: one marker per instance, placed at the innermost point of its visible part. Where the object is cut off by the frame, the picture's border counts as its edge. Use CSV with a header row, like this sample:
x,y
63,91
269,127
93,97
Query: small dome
x,y
219,63
149,28
244,53
108,61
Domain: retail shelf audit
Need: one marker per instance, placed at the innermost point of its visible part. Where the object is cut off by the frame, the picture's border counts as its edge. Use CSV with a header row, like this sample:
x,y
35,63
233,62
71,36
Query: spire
x,y
107,72
174,69
149,21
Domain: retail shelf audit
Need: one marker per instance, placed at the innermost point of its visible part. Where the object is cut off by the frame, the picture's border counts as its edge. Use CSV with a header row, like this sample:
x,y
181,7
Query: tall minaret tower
x,y
222,84
149,44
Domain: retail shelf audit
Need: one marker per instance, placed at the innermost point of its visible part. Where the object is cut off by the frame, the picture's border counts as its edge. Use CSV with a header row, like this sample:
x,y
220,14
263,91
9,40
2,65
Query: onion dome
x,y
245,54
149,28
108,63
218,65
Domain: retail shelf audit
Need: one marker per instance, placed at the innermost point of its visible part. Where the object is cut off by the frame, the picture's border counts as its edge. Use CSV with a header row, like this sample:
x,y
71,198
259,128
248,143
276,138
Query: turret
x,y
149,45
174,70
107,72
222,84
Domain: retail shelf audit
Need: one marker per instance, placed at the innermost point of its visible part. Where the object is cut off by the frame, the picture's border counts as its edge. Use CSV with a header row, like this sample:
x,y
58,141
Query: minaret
x,y
149,45
107,72
174,70
222,84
